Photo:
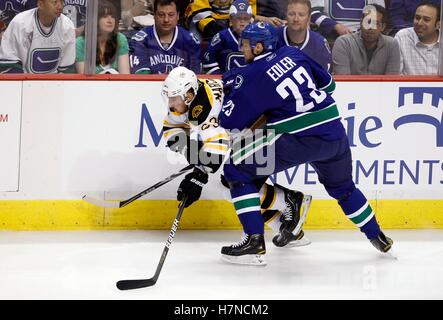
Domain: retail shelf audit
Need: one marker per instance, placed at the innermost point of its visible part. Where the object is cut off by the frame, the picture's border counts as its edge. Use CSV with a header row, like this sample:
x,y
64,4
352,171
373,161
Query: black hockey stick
x,y
142,283
120,204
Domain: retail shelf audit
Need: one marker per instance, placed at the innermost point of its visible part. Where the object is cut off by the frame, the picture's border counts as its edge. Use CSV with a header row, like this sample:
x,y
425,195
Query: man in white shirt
x,y
419,45
39,40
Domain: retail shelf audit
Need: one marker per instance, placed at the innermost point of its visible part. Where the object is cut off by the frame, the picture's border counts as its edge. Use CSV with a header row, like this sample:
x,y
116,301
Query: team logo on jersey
x,y
235,60
194,38
196,111
261,25
238,81
44,60
346,10
139,36
216,39
272,56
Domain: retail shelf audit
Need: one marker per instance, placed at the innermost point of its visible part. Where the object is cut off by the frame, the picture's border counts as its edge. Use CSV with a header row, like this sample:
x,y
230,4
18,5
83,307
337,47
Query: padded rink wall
x,y
63,137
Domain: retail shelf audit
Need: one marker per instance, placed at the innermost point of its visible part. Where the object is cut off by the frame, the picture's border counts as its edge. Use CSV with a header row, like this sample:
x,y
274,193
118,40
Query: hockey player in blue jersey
x,y
191,129
223,53
304,126
164,46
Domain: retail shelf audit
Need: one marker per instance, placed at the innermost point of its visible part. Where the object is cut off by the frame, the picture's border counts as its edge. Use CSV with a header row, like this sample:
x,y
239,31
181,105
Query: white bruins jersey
x,y
201,120
26,43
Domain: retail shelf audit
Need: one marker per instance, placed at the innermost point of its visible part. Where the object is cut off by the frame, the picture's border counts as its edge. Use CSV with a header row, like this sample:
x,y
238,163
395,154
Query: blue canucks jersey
x,y
327,13
75,10
148,55
10,8
223,53
345,10
315,46
290,88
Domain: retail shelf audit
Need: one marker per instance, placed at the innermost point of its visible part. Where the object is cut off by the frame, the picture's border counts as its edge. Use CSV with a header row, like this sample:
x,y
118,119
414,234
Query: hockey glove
x,y
192,186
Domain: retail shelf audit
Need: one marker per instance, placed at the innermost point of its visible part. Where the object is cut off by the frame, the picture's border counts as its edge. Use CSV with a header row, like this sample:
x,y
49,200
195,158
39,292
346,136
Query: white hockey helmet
x,y
179,81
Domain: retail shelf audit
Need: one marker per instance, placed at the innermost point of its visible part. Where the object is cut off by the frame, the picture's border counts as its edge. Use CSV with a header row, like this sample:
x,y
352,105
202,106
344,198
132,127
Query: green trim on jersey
x,y
305,120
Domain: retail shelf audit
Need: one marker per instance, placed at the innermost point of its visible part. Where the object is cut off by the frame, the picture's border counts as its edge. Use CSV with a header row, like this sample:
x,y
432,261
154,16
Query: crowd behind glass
x,y
397,37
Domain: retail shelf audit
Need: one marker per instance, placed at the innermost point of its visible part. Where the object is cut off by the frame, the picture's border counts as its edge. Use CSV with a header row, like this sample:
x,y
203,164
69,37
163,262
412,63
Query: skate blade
x,y
306,204
248,259
392,254
298,243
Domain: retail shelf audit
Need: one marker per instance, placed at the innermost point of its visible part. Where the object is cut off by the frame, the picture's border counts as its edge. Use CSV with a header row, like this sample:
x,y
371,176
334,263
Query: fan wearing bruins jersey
x,y
208,17
191,128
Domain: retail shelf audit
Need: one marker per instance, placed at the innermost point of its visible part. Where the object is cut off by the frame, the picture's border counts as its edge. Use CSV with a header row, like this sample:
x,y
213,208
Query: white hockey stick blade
x,y
101,203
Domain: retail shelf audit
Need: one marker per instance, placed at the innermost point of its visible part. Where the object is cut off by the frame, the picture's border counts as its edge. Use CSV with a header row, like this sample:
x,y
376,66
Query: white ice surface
x,y
337,265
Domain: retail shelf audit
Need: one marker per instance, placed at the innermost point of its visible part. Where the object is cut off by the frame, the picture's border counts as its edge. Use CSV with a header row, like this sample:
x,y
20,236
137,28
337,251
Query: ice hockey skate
x,y
293,217
249,251
382,243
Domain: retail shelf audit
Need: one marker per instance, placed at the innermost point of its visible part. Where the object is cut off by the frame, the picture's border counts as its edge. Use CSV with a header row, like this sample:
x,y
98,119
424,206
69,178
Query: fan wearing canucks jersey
x,y
223,53
10,8
164,46
75,10
39,40
304,126
191,129
297,34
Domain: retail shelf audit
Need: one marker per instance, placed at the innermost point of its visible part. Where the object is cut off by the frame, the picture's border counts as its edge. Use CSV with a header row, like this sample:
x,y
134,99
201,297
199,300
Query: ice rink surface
x,y
339,264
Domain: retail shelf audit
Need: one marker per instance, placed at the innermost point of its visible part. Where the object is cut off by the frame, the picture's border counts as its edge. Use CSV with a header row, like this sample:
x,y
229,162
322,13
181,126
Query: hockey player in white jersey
x,y
191,128
39,40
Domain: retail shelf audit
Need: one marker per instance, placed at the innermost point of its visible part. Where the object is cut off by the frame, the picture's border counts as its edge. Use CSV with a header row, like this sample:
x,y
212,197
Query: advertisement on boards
x,y
395,131
10,117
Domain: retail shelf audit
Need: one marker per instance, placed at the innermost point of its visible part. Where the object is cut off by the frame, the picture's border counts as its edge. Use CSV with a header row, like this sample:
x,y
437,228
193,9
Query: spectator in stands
x,y
338,17
401,13
75,10
367,51
183,5
164,46
10,8
208,18
272,8
39,40
419,45
223,52
297,34
112,47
